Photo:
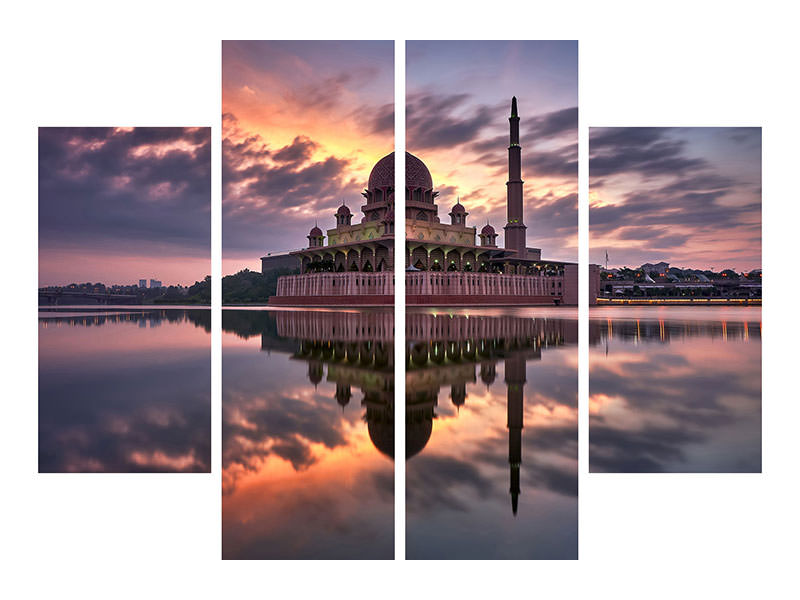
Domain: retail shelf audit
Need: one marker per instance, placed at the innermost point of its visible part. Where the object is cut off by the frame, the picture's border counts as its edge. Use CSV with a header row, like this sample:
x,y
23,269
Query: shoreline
x,y
704,302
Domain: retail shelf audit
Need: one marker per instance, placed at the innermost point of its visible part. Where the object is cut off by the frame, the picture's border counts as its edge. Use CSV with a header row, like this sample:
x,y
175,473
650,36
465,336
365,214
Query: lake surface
x,y
124,390
492,434
675,389
308,434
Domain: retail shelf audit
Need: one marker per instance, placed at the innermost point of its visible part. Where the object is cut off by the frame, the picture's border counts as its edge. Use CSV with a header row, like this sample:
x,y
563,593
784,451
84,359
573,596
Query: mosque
x,y
446,263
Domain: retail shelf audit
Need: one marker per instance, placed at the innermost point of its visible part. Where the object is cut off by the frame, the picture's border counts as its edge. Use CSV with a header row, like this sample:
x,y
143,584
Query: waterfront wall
x,y
428,288
455,288
331,289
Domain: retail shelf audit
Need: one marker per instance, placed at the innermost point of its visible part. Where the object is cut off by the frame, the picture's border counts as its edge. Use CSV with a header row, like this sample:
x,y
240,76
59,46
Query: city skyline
x,y
457,123
689,196
303,123
116,202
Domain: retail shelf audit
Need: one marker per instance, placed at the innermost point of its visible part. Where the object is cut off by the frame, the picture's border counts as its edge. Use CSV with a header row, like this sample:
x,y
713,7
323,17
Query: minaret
x,y
515,229
515,383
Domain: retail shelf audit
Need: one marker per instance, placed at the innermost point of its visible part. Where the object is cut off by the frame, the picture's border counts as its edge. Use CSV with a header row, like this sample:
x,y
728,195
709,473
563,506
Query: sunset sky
x,y
121,204
303,124
688,196
457,108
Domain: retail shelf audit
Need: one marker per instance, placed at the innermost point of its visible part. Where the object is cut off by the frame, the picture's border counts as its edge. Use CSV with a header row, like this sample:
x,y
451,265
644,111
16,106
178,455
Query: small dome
x,y
343,210
458,208
316,232
487,230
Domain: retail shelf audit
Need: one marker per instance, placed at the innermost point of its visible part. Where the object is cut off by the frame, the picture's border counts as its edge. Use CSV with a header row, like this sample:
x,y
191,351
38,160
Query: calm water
x,y
675,389
492,434
308,434
124,390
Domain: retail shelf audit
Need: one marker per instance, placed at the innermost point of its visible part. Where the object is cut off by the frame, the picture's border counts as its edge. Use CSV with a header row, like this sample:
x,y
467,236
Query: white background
x,y
158,63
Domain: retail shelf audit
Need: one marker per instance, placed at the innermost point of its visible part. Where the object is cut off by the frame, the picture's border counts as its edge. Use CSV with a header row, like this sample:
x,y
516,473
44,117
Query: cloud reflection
x,y
674,396
117,397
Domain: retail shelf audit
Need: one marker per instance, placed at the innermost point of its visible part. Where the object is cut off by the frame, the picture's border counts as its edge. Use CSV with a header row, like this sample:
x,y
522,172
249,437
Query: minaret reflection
x,y
445,350
515,389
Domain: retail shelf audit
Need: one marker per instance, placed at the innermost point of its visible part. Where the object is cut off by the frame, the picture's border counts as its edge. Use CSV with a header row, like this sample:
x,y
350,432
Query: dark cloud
x,y
432,121
327,93
262,186
643,150
378,120
296,153
746,135
658,208
140,191
552,124
437,481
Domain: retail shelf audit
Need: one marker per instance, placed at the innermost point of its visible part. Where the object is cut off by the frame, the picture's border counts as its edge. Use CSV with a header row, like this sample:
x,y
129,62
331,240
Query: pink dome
x,y
417,174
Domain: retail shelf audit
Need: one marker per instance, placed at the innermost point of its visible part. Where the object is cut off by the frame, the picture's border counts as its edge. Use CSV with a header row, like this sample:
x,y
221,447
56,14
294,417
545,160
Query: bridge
x,y
61,297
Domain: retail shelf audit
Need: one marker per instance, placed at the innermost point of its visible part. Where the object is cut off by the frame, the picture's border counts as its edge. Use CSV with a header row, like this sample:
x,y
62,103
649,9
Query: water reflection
x,y
124,390
491,435
675,391
308,434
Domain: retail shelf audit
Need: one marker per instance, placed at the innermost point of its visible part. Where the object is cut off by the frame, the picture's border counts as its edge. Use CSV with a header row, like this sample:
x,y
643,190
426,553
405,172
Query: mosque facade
x,y
446,263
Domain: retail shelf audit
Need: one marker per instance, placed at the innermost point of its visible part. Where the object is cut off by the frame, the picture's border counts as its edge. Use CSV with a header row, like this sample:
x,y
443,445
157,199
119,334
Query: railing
x,y
337,284
433,283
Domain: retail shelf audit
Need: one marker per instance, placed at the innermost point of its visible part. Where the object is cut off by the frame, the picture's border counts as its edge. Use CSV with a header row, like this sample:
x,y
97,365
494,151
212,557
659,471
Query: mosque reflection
x,y
473,382
308,425
675,390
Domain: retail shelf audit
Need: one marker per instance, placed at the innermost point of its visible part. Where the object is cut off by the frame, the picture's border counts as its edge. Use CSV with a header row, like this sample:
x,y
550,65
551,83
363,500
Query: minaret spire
x,y
515,228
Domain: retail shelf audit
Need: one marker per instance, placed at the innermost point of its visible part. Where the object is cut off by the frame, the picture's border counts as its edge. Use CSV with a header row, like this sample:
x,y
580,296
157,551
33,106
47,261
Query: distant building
x,y
143,283
278,261
594,283
155,283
